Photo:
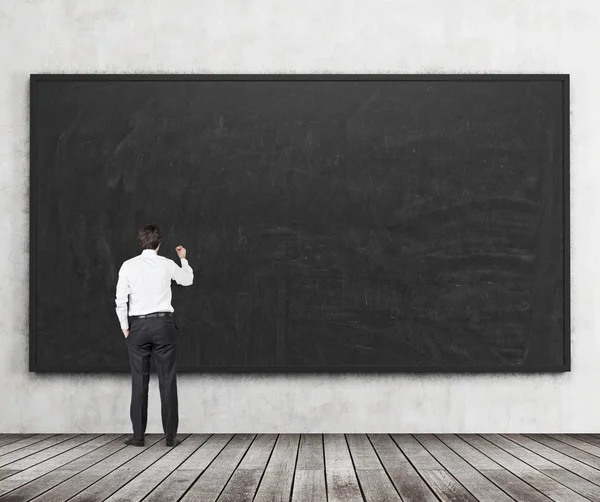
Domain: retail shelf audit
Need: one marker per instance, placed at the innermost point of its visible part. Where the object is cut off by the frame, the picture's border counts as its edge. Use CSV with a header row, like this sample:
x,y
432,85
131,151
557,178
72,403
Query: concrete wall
x,y
262,36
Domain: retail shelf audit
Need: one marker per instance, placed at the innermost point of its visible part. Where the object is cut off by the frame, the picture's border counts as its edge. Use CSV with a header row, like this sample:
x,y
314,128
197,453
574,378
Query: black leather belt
x,y
155,314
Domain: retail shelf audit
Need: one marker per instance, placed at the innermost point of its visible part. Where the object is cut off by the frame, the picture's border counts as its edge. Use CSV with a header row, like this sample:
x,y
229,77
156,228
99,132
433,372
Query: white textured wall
x,y
267,36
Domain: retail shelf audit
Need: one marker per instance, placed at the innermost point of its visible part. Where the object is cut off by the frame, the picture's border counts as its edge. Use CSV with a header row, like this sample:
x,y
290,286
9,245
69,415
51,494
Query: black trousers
x,y
158,336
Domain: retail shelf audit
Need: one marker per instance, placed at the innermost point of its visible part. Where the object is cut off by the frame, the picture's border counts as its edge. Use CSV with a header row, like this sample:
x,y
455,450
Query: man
x,y
149,327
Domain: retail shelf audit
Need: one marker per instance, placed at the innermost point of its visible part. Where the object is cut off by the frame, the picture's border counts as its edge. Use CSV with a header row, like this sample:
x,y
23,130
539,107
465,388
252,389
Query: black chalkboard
x,y
334,223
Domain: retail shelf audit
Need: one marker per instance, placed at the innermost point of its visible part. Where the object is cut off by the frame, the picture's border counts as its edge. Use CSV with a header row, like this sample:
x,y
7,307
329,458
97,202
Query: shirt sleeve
x,y
122,298
183,275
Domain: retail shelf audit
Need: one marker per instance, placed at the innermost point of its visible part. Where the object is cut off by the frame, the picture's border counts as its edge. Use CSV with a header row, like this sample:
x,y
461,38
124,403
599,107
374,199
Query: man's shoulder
x,y
132,261
165,260
127,263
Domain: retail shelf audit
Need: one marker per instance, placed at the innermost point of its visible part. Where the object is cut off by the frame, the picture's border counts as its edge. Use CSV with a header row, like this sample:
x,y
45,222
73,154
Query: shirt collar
x,y
149,252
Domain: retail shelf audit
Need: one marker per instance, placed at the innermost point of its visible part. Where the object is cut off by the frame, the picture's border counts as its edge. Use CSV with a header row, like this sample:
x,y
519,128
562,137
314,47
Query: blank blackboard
x,y
334,223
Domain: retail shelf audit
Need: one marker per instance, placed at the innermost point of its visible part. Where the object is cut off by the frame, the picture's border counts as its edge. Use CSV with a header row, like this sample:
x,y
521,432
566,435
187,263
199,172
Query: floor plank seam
x,y
113,470
236,466
555,463
586,439
561,437
448,471
15,440
383,466
35,452
205,469
362,492
61,467
325,467
295,467
76,474
265,468
415,468
46,459
558,466
541,473
158,485
482,471
562,452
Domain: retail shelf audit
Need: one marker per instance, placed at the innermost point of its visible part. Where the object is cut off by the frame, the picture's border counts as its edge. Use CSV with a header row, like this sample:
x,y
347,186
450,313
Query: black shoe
x,y
134,442
173,442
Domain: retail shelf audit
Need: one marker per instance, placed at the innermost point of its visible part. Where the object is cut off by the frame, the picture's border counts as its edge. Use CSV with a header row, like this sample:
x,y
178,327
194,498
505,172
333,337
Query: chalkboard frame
x,y
35,366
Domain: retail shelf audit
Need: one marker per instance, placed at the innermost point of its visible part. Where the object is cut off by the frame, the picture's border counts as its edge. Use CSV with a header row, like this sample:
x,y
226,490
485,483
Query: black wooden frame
x,y
34,366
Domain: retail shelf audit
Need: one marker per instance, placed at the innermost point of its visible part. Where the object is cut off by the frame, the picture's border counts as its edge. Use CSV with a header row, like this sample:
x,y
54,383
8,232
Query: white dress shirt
x,y
146,281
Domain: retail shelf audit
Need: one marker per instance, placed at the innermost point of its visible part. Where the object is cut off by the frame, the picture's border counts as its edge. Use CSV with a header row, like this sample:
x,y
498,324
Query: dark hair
x,y
150,236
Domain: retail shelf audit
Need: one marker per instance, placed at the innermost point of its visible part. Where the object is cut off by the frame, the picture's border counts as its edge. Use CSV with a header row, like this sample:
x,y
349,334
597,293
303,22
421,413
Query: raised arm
x,y
183,275
122,297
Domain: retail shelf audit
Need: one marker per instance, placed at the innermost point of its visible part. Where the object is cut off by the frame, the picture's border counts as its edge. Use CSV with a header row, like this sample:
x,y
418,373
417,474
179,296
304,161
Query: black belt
x,y
155,314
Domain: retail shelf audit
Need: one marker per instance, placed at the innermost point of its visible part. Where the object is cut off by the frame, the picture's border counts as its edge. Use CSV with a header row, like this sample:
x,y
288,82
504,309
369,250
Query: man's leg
x,y
165,356
139,360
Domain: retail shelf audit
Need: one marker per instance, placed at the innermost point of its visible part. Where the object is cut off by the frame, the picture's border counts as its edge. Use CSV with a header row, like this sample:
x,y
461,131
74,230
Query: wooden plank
x,y
420,458
474,481
311,452
175,485
55,477
588,438
559,458
242,486
373,479
337,454
576,483
548,486
362,452
22,442
376,486
445,486
33,449
343,486
309,467
468,452
149,479
84,472
276,484
575,442
405,478
123,474
246,478
567,448
8,439
203,457
309,480
48,453
519,451
259,452
309,486
211,482
504,479
342,483
516,487
550,469
36,478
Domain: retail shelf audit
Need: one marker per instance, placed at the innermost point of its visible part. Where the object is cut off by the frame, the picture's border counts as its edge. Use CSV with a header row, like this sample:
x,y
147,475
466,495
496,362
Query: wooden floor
x,y
292,467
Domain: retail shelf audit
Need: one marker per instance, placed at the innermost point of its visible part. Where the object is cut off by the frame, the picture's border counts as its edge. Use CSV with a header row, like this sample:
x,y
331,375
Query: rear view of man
x,y
149,327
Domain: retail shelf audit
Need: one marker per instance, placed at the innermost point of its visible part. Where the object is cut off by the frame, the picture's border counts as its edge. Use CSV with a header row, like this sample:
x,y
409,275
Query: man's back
x,y
145,281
